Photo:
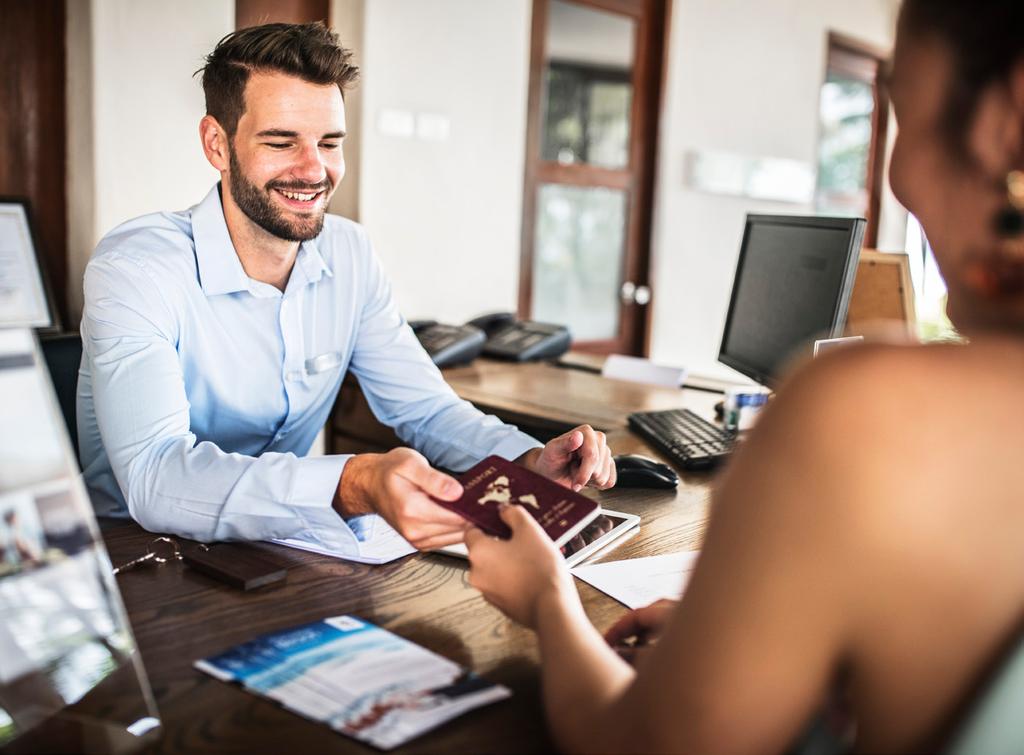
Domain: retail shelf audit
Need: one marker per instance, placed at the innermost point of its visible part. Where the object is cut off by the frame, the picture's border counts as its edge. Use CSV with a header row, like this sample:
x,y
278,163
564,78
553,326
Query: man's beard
x,y
259,208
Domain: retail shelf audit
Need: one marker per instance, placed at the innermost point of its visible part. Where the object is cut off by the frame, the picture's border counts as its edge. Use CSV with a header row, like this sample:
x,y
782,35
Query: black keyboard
x,y
690,441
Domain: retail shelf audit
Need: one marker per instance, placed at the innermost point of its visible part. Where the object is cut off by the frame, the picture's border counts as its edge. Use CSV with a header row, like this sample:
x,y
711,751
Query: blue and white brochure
x,y
355,677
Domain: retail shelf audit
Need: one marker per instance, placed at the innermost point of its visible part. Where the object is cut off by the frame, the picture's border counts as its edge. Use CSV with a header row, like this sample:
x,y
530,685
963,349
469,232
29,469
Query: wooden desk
x,y
540,398
561,397
179,615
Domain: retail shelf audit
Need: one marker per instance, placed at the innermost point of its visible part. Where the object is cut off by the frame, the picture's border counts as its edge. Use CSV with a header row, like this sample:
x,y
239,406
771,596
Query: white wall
x,y
743,77
143,106
445,215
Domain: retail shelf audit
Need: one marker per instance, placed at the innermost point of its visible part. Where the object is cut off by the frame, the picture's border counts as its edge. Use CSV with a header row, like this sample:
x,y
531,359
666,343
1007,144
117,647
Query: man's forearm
x,y
353,494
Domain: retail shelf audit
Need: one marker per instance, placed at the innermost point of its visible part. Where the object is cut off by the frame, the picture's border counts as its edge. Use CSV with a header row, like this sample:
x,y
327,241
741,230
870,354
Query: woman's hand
x,y
639,627
523,574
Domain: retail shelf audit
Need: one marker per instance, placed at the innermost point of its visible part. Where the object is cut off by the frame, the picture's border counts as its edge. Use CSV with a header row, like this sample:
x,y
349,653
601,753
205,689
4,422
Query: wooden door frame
x,y
33,131
256,12
866,62
648,85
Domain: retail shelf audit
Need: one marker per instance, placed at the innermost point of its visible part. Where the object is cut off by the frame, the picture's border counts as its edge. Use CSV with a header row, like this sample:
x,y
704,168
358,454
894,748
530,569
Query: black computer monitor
x,y
792,286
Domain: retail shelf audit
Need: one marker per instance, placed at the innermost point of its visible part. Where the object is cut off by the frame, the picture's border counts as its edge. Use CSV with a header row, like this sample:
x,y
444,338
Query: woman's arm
x,y
765,624
539,593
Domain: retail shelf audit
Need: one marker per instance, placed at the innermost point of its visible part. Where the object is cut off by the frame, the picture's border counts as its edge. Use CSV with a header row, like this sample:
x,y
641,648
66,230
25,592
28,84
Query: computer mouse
x,y
640,472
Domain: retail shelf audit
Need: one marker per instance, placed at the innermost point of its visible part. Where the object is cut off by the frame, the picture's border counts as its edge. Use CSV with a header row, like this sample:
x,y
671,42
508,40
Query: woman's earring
x,y
1010,219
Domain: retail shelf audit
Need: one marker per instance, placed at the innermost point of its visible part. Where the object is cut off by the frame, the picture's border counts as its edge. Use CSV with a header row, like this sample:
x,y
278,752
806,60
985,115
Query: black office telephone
x,y
449,345
521,340
498,335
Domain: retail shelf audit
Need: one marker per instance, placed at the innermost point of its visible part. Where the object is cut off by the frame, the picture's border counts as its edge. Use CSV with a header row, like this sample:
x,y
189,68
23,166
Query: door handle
x,y
630,293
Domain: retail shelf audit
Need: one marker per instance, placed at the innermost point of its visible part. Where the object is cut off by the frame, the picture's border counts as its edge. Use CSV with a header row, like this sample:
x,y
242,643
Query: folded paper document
x,y
638,582
355,677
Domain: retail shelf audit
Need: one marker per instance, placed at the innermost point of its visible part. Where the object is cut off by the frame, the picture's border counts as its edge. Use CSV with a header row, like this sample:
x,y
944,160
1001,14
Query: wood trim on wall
x,y
865,62
33,130
257,12
661,16
876,160
539,24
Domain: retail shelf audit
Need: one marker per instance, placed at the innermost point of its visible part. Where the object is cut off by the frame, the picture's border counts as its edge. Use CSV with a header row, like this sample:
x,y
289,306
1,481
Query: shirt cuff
x,y
515,445
325,527
363,526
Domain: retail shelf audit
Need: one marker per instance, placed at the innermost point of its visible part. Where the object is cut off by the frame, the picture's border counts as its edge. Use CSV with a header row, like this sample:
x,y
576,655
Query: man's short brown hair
x,y
311,52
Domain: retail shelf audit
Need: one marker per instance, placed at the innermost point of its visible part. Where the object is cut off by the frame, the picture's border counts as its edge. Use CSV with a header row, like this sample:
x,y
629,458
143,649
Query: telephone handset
x,y
521,340
498,335
449,345
492,322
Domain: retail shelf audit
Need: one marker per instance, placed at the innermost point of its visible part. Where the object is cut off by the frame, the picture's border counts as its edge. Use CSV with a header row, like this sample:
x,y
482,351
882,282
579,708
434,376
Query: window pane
x,y
929,287
578,259
608,131
588,90
846,109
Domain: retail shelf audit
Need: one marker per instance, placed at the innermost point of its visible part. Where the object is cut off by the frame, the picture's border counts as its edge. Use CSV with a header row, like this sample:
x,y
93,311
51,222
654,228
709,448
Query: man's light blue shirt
x,y
201,390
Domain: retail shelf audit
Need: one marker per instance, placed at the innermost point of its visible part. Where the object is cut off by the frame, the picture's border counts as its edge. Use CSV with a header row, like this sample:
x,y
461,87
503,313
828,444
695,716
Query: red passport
x,y
494,481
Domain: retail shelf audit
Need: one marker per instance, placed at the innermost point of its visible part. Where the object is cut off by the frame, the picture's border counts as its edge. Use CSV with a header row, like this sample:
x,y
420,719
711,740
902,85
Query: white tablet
x,y
607,528
828,344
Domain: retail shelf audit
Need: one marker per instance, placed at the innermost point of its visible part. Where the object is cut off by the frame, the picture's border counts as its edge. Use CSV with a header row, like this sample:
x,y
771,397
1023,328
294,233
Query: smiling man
x,y
216,338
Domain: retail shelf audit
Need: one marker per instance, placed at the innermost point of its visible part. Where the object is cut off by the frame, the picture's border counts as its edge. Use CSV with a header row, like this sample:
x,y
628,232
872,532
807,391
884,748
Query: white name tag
x,y
323,362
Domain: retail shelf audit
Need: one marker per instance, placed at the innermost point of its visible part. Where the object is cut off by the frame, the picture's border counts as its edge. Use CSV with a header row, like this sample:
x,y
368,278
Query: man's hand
x,y
398,485
580,457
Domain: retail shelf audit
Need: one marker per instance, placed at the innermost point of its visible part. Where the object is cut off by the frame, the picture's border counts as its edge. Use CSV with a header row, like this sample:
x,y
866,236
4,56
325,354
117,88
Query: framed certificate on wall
x,y
25,299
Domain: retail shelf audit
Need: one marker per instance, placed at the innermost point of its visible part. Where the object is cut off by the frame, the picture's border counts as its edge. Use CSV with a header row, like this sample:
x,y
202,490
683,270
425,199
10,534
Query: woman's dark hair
x,y
986,39
311,52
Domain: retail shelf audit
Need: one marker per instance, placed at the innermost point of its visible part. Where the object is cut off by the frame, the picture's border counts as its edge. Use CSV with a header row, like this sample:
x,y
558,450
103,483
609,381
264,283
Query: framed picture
x,y
25,296
883,292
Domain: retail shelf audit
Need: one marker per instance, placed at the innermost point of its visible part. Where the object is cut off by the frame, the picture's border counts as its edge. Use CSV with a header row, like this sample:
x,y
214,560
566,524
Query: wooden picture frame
x,y
883,292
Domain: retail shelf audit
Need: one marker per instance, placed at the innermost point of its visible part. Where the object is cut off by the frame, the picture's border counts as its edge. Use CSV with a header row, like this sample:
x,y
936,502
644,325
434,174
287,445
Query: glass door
x,y
593,106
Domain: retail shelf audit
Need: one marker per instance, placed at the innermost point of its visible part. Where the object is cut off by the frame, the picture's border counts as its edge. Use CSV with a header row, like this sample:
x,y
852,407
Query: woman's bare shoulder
x,y
868,414
877,411
892,385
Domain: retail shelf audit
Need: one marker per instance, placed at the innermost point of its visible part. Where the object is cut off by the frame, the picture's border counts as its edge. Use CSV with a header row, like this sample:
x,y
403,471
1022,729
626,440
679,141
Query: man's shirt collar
x,y
311,262
220,270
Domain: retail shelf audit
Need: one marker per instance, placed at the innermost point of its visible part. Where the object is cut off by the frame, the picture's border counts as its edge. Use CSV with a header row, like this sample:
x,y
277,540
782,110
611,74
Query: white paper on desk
x,y
384,546
621,367
638,582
